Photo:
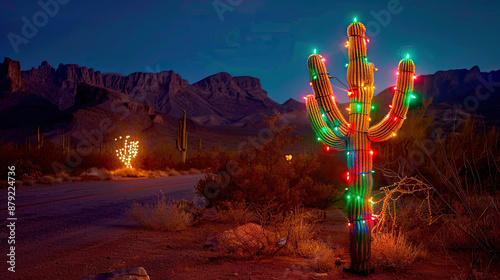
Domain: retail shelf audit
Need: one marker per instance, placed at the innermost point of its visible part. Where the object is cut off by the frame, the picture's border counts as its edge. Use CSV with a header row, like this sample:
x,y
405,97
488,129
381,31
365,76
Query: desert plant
x,y
181,140
166,215
355,136
395,252
235,213
260,174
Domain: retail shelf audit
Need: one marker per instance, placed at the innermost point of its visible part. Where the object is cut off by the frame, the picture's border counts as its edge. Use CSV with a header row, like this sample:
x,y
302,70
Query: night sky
x,y
270,40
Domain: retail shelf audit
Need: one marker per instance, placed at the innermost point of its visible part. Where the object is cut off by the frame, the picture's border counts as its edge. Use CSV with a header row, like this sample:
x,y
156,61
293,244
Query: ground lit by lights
x,y
128,151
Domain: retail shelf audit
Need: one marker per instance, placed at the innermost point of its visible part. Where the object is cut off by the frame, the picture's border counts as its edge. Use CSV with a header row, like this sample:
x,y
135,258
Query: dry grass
x,y
235,213
292,235
162,215
394,252
47,180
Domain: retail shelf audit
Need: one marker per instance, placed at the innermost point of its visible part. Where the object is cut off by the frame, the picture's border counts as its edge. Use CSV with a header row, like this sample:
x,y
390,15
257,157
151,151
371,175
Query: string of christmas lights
x,y
128,151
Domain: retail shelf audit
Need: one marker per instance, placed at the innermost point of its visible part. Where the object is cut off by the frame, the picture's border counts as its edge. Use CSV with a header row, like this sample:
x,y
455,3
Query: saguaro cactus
x,y
355,136
181,140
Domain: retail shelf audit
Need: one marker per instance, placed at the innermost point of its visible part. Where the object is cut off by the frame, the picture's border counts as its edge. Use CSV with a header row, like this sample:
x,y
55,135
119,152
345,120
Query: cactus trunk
x,y
356,135
181,140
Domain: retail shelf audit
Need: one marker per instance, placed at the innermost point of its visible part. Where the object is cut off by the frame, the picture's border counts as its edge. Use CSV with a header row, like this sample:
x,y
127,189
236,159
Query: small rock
x,y
137,273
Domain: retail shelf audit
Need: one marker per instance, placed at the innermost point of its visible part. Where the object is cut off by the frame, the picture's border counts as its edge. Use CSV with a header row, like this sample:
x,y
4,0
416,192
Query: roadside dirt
x,y
180,255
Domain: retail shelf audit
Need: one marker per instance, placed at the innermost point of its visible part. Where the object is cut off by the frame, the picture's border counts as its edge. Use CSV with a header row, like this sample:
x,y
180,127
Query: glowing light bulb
x,y
311,83
407,55
397,73
355,19
371,152
395,118
314,51
395,88
393,134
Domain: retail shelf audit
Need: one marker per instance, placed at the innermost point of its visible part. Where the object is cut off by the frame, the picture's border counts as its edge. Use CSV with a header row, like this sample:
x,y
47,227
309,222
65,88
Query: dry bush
x,y
194,171
165,215
173,172
64,175
235,213
47,180
292,234
394,252
261,171
129,172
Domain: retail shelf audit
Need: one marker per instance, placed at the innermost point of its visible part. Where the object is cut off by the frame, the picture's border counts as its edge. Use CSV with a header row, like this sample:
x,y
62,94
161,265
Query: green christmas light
x,y
314,51
355,19
407,55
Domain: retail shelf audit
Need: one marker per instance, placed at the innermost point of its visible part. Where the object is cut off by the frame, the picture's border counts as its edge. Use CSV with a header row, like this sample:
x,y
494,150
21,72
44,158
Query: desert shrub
x,y
234,213
173,172
129,172
394,252
260,173
462,211
162,156
165,215
291,234
47,179
204,159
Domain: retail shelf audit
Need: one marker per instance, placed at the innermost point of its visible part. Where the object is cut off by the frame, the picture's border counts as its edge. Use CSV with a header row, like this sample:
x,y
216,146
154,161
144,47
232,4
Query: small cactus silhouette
x,y
181,140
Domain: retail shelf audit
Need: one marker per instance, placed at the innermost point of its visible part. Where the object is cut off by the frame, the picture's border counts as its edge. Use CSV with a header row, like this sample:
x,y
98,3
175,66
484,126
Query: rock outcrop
x,y
10,76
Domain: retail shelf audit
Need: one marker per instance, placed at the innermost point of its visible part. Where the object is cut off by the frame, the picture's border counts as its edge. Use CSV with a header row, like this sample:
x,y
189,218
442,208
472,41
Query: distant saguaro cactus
x,y
40,139
181,140
200,146
355,136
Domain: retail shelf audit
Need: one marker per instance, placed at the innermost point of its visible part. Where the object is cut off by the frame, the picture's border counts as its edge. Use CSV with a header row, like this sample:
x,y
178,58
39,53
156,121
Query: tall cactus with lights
x,y
181,140
355,136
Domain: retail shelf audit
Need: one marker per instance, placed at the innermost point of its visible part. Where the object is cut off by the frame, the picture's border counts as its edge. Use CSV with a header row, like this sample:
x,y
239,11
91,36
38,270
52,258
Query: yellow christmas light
x,y
128,152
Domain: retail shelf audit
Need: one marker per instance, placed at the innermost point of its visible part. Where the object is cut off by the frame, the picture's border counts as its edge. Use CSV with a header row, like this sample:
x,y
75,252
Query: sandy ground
x,y
74,238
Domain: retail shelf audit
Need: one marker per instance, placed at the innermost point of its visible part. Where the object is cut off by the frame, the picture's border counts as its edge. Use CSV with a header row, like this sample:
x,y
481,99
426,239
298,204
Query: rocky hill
x,y
220,99
74,98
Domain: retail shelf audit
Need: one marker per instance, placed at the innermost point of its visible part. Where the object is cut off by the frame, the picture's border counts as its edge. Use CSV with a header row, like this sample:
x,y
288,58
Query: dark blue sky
x,y
270,40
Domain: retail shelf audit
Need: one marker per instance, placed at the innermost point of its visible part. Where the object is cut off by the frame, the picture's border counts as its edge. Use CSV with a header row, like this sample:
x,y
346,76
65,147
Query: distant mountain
x,y
75,99
216,100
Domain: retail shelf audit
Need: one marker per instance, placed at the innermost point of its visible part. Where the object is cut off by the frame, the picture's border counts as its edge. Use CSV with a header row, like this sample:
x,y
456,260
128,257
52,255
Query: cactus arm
x,y
391,123
320,128
324,95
